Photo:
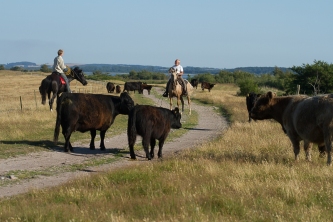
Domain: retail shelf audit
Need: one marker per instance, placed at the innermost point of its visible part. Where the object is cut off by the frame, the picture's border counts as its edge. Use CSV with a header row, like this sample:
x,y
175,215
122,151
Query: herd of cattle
x,y
303,118
91,112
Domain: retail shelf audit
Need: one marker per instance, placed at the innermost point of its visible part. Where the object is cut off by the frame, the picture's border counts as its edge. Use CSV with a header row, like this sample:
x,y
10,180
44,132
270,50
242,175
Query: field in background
x,y
247,174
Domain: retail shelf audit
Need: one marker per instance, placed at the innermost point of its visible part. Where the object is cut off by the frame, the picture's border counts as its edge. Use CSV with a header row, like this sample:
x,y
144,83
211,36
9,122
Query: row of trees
x,y
316,78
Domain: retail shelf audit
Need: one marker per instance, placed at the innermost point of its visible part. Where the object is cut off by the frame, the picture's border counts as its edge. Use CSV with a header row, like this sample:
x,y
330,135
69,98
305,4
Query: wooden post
x,y
35,98
298,89
21,102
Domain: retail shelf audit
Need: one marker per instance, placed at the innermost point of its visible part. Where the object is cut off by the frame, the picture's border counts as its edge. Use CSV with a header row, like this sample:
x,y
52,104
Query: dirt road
x,y
210,126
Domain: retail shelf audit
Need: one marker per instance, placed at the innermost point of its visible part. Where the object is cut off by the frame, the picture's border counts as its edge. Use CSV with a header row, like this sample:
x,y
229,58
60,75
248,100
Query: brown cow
x,y
302,118
147,87
110,87
151,123
118,89
88,112
194,83
207,85
132,86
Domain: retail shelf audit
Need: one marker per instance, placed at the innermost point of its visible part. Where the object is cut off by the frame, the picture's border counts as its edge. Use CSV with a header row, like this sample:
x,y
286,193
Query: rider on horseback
x,y
59,66
180,71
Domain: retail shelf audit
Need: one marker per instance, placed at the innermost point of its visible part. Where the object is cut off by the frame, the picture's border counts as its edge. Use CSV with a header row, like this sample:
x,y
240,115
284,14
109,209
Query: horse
x,y
54,83
176,90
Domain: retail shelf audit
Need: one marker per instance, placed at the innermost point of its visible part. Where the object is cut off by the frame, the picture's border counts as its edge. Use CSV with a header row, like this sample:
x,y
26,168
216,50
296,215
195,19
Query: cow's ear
x,y
270,95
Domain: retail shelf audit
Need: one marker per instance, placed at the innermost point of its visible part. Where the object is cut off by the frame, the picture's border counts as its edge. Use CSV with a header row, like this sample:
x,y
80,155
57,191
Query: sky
x,y
211,33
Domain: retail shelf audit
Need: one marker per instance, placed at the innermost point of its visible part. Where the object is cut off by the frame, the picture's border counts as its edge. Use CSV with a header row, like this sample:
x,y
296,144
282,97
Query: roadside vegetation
x,y
247,174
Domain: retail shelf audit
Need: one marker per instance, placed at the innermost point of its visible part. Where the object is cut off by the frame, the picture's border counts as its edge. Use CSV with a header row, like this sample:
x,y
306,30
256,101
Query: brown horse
x,y
52,83
176,90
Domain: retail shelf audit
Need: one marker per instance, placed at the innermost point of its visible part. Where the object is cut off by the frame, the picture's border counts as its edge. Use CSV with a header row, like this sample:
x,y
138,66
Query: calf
x,y
207,85
110,87
118,89
303,118
194,83
251,98
132,86
151,123
88,112
147,87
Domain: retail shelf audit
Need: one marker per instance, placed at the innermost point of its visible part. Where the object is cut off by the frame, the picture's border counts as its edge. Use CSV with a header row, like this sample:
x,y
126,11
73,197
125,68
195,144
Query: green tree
x,y
45,68
16,68
2,67
246,86
313,79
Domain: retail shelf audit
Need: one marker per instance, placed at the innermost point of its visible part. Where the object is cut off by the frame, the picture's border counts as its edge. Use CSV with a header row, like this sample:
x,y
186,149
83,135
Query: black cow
x,y
251,99
132,86
147,87
89,112
194,83
207,85
118,89
110,87
151,123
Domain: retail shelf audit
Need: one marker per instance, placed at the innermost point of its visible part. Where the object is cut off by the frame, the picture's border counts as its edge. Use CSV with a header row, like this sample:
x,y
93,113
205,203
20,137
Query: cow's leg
x,y
160,146
328,143
145,144
102,146
131,135
307,149
67,135
296,147
152,146
92,141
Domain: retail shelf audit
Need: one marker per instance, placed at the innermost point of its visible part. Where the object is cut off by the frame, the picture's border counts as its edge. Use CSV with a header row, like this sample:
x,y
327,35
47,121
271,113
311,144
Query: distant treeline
x,y
123,68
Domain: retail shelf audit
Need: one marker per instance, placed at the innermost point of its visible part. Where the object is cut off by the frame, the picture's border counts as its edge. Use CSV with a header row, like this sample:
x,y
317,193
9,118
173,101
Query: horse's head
x,y
173,73
77,74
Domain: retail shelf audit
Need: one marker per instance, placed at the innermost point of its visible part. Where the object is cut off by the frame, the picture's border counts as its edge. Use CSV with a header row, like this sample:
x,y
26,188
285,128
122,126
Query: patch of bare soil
x,y
210,126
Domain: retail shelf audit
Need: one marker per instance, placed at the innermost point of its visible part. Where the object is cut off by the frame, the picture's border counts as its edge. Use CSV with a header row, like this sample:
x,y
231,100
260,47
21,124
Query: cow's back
x,y
310,116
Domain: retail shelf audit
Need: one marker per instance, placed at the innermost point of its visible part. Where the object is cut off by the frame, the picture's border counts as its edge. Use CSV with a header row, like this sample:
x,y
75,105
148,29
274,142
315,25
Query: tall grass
x,y
247,174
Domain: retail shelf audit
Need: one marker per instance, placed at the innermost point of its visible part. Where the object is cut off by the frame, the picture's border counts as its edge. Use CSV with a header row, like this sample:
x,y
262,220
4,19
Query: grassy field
x,y
247,174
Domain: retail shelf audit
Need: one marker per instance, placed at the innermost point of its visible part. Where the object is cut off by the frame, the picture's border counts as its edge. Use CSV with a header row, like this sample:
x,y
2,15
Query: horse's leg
x,y
55,93
170,98
189,103
182,101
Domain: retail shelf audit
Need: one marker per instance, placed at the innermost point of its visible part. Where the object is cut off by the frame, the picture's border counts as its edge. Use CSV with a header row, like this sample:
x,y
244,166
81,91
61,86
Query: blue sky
x,y
210,33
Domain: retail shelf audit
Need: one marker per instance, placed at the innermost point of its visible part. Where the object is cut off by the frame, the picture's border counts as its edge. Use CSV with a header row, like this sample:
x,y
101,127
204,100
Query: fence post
x,y
21,102
35,98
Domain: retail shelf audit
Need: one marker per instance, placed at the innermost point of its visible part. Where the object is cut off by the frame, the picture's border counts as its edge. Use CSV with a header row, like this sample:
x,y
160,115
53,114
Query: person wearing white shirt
x,y
180,71
59,66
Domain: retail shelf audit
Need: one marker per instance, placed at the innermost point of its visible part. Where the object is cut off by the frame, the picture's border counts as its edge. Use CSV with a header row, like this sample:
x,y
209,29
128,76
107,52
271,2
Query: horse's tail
x,y
43,90
58,121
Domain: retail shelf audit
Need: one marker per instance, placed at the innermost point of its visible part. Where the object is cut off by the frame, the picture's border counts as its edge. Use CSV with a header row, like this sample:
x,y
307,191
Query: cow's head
x,y
262,107
126,103
175,123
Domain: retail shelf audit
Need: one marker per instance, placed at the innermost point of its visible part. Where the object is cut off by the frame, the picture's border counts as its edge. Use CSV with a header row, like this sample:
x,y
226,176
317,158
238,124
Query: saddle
x,y
61,79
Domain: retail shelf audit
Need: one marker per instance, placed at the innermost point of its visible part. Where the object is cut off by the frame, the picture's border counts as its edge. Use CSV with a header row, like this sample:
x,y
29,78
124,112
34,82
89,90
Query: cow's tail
x,y
131,128
58,121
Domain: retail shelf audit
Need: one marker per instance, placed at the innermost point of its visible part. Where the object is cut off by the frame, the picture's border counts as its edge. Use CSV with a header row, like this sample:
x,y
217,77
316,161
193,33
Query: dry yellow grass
x,y
247,174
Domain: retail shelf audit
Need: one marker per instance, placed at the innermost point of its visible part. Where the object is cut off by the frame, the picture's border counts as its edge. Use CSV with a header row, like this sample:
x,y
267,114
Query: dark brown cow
x,y
151,123
132,86
110,87
251,98
207,85
118,89
147,87
89,112
303,118
194,83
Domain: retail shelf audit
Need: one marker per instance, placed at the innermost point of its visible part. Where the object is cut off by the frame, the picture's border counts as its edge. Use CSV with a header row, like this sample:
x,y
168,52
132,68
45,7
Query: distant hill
x,y
125,68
